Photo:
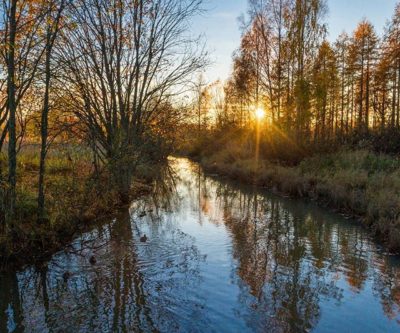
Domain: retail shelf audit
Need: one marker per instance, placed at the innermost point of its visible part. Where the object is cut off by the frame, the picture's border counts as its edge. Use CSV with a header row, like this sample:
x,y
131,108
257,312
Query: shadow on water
x,y
219,256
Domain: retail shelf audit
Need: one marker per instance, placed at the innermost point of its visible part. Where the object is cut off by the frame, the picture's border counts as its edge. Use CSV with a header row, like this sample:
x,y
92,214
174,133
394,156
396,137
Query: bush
x,y
360,182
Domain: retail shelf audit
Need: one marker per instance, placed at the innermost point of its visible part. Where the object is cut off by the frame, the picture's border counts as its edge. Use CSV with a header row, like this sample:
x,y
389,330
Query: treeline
x,y
104,72
312,90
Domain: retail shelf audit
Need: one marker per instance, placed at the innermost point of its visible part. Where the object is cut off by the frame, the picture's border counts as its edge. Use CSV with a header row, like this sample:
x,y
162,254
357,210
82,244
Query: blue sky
x,y
221,28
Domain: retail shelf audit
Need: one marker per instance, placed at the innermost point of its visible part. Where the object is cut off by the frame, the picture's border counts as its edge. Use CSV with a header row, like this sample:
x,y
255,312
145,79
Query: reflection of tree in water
x,y
194,184
11,314
108,296
288,259
284,287
132,286
387,285
163,196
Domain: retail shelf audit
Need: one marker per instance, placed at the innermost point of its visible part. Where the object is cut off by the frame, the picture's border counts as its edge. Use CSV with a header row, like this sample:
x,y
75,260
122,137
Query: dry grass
x,y
356,182
75,199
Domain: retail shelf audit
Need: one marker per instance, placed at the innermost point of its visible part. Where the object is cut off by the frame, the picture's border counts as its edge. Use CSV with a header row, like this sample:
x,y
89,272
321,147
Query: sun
x,y
260,113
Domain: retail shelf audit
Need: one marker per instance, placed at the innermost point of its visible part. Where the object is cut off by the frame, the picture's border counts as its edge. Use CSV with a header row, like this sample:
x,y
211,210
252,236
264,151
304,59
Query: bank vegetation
x,y
88,105
308,116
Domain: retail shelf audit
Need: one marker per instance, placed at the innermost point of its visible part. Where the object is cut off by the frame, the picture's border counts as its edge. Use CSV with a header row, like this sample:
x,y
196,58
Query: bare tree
x,y
53,15
21,51
122,60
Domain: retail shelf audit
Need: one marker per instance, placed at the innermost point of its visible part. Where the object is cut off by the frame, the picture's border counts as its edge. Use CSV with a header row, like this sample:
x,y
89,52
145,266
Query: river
x,y
219,257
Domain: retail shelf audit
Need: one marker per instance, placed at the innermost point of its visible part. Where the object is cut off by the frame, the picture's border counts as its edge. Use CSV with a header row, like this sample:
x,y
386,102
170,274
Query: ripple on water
x,y
219,257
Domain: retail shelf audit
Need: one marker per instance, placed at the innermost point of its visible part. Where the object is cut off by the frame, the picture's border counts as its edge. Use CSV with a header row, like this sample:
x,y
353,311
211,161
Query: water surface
x,y
220,257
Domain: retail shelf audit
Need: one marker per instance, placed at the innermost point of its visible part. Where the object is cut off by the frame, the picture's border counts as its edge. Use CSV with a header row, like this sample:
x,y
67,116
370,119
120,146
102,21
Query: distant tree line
x,y
313,90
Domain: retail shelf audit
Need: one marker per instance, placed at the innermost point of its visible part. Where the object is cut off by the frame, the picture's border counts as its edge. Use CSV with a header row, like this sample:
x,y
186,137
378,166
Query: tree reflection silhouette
x,y
288,256
116,294
281,262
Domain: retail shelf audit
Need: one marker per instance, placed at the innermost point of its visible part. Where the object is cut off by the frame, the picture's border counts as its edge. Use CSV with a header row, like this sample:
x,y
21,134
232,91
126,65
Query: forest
x,y
313,90
95,95
307,116
137,194
88,98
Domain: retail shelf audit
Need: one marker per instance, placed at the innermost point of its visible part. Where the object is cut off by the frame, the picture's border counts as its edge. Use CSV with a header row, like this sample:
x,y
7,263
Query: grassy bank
x,y
356,182
75,200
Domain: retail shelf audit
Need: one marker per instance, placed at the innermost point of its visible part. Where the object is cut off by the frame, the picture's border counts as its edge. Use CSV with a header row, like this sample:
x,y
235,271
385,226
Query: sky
x,y
220,26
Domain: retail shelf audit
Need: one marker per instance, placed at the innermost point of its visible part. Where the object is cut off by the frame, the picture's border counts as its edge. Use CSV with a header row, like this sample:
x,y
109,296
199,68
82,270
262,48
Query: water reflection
x,y
219,257
292,258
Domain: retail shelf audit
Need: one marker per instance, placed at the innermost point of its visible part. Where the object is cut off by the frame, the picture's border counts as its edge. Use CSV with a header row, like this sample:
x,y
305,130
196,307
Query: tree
x,y
341,50
306,31
53,17
381,92
324,91
363,50
122,60
21,53
391,51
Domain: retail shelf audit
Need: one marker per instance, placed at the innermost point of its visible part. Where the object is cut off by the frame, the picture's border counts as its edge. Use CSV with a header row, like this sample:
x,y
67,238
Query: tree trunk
x,y
122,174
44,133
394,95
52,30
367,92
12,109
398,97
360,111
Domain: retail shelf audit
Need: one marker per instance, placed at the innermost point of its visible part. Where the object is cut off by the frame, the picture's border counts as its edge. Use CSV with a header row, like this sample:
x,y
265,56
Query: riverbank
x,y
357,183
76,199
218,252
